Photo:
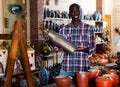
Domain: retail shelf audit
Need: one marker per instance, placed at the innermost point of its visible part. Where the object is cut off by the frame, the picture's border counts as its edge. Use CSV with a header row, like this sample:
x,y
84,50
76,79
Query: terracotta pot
x,y
104,82
82,77
112,71
114,78
63,81
93,74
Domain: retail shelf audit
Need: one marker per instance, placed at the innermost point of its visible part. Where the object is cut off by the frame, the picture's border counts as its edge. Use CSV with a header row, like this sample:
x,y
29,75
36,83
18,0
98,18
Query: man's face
x,y
74,13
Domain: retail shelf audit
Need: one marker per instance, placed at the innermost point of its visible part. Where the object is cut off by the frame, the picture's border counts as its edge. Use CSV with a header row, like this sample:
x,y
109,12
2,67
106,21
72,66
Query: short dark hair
x,y
74,4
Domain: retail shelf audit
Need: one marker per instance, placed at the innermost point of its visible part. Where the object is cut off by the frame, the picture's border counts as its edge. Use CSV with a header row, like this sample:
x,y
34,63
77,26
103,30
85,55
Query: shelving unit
x,y
17,40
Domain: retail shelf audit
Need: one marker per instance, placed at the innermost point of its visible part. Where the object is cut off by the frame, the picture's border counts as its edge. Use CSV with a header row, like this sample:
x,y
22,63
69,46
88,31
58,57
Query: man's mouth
x,y
76,16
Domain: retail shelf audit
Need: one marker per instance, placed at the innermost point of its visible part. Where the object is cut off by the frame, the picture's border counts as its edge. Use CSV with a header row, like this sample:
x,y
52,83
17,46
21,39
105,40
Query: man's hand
x,y
83,49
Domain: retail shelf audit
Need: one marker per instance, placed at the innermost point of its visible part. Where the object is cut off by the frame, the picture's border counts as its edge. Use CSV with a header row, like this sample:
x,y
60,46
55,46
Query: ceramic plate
x,y
16,9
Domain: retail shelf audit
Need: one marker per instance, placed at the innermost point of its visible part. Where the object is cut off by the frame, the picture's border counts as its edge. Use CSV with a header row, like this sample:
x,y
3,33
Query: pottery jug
x,y
103,82
82,77
63,81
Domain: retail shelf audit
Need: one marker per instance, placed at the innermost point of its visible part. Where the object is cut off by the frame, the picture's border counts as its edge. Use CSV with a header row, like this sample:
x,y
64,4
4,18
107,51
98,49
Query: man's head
x,y
74,11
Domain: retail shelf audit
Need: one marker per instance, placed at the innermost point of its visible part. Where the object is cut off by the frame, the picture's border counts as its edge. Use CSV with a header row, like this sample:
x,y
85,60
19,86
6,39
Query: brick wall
x,y
36,23
100,6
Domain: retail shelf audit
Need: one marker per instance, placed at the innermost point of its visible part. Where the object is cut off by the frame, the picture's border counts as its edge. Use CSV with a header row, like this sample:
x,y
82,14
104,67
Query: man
x,y
81,35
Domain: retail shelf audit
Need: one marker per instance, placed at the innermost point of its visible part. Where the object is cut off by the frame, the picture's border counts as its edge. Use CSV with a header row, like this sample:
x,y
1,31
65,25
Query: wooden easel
x,y
18,40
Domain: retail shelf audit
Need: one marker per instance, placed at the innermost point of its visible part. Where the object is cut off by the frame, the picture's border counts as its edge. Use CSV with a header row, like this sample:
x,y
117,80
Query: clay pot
x,y
93,74
82,77
114,78
63,81
112,71
103,82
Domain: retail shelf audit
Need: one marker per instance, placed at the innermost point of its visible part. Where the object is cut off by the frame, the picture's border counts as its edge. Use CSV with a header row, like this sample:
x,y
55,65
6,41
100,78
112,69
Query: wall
x,y
115,23
63,5
1,18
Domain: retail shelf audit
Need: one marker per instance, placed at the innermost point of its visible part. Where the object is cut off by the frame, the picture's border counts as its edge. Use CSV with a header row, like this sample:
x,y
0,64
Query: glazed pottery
x,y
63,81
103,82
3,56
114,78
31,56
93,74
82,77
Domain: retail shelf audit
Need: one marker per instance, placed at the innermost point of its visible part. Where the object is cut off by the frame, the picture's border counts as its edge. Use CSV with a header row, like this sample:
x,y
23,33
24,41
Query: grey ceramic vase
x,y
99,16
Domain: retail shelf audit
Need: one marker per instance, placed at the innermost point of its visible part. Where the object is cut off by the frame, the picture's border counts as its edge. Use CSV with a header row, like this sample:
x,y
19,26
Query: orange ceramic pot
x,y
93,74
82,77
63,81
114,78
112,71
104,82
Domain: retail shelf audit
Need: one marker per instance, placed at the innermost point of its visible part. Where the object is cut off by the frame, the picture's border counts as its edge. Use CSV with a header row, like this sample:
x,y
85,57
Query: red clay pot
x,y
104,82
82,79
114,78
112,71
63,81
93,74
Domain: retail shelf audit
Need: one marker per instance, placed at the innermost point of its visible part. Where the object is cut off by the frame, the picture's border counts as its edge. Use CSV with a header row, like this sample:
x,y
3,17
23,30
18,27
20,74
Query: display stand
x,y
17,40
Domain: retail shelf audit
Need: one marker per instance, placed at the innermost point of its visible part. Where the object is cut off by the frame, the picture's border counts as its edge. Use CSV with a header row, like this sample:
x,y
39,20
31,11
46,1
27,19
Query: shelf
x,y
57,19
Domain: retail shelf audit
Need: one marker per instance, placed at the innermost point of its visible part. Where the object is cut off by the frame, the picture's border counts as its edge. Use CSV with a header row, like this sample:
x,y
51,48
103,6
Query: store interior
x,y
22,24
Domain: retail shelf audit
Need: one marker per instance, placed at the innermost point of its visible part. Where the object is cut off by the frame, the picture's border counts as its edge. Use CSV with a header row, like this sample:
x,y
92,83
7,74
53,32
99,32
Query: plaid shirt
x,y
82,36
